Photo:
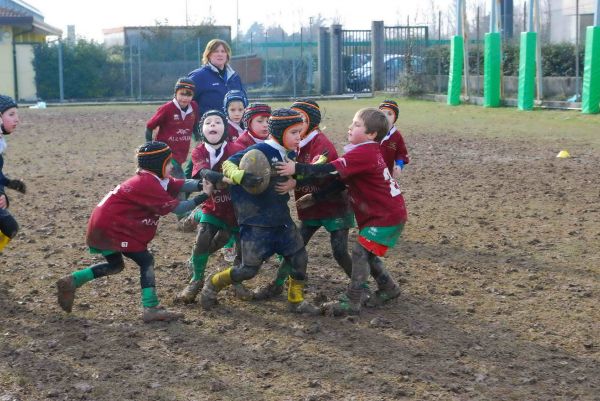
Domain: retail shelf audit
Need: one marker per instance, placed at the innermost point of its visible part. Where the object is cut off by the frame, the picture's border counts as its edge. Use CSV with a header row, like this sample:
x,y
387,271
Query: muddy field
x,y
499,265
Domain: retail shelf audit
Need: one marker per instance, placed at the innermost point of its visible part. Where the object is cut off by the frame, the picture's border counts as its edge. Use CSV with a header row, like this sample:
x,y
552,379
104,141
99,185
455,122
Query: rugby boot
x,y
66,292
215,283
159,314
348,304
190,292
268,291
241,292
296,301
388,290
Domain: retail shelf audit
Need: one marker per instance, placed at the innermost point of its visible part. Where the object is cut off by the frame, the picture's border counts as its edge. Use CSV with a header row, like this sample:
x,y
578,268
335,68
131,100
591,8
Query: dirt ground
x,y
499,266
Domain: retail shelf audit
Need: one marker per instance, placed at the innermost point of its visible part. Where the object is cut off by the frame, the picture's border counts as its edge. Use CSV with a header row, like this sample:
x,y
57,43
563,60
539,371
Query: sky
x,y
91,16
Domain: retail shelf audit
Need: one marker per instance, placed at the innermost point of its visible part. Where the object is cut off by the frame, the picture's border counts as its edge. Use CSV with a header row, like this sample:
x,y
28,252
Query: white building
x,y
562,19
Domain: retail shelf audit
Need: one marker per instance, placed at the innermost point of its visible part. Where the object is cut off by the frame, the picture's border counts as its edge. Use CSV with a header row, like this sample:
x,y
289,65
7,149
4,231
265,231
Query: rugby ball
x,y
255,162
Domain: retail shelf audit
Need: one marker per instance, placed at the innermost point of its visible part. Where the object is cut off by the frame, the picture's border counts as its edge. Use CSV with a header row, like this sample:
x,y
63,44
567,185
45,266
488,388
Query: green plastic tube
x,y
527,70
456,68
491,70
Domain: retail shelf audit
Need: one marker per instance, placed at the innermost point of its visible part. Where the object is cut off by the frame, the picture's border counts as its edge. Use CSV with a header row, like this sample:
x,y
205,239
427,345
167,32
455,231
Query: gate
x,y
404,52
404,48
356,58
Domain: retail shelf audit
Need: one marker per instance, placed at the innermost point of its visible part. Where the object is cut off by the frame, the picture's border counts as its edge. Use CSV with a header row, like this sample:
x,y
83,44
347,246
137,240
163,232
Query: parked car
x,y
359,78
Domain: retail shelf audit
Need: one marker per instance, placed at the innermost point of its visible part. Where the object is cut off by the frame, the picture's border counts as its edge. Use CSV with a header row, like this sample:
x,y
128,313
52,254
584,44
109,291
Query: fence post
x,y
336,59
61,87
456,61
377,56
527,65
324,61
492,64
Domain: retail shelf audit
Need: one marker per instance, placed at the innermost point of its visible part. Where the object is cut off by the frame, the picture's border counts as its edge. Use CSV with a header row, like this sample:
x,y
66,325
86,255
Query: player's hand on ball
x,y
17,185
283,188
251,180
306,201
286,168
207,187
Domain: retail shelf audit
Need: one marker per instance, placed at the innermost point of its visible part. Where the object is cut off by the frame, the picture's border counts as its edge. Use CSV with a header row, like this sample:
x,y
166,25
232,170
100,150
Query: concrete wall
x,y
558,88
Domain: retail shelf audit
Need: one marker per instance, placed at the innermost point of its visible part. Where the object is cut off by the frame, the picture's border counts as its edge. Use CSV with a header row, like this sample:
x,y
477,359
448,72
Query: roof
x,y
7,12
19,19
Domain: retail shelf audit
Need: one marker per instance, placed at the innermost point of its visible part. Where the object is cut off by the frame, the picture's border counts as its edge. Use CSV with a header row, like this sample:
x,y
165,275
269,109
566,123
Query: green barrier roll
x,y
527,70
590,96
491,70
456,68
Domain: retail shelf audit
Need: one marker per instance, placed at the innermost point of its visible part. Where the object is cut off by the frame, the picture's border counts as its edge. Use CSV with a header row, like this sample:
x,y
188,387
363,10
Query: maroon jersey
x,y
233,131
175,127
393,148
312,147
126,219
375,196
219,204
246,140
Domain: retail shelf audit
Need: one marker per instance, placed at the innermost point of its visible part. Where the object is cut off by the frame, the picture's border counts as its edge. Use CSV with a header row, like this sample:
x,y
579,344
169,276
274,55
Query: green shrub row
x,y
558,59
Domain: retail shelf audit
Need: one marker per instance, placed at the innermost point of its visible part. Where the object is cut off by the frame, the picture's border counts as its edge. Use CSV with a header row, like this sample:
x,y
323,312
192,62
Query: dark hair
x,y
375,122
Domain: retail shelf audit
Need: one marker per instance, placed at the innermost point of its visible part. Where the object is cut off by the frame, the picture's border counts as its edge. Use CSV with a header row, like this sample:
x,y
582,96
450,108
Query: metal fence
x,y
403,54
280,65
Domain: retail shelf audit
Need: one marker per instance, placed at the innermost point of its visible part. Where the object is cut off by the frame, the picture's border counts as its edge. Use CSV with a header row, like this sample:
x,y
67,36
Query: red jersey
x,y
219,204
393,148
375,196
126,219
233,131
175,127
246,140
312,147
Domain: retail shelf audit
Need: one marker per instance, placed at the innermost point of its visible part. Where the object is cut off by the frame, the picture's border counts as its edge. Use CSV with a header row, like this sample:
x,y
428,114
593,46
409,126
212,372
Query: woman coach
x,y
215,77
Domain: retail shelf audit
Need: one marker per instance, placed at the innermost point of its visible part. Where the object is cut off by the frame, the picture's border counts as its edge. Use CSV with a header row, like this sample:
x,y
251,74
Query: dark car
x,y
359,78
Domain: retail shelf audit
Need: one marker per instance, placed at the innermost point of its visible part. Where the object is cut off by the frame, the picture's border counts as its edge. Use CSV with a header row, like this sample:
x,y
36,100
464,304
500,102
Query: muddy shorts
x,y
260,243
332,224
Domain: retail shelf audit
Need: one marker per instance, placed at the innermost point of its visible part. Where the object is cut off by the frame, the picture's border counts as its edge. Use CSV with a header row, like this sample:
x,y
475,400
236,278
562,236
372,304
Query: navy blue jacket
x,y
267,209
211,87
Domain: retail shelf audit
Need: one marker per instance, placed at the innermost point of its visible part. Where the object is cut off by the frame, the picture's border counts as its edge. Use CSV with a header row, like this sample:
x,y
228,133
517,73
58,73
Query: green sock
x,y
230,243
82,276
149,297
199,264
282,273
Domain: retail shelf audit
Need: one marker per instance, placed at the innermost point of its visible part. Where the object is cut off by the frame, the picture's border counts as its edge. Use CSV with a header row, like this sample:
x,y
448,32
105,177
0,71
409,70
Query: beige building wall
x,y
7,86
26,78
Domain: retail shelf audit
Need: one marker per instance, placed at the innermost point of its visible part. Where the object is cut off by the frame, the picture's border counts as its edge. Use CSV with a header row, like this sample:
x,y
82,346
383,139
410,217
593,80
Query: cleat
x,y
190,292
304,308
241,292
341,308
382,296
160,314
208,296
66,292
268,291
